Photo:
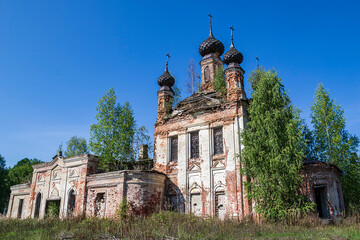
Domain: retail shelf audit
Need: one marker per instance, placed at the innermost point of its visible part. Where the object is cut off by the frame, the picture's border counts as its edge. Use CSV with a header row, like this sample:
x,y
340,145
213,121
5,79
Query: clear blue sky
x,y
57,58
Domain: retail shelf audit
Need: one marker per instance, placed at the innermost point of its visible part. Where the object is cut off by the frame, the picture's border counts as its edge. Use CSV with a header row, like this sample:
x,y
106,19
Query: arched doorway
x,y
37,205
71,203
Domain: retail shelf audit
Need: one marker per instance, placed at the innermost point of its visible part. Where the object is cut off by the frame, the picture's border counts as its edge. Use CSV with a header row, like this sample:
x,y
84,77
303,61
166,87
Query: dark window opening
x,y
194,145
21,204
37,205
172,203
71,203
173,149
218,141
100,205
52,208
321,201
207,74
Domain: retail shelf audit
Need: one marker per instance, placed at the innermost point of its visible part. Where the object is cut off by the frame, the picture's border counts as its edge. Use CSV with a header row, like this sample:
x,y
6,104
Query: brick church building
x,y
196,160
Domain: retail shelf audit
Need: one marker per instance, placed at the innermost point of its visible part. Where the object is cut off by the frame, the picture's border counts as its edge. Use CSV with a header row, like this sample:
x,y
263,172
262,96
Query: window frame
x,y
198,144
170,149
214,140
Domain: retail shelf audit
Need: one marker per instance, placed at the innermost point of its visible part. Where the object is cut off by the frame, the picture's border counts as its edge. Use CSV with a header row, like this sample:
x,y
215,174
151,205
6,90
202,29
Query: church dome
x,y
233,55
211,44
166,79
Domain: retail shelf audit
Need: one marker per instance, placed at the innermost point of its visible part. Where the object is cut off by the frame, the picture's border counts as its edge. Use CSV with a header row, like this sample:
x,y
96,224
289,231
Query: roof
x,y
198,102
312,162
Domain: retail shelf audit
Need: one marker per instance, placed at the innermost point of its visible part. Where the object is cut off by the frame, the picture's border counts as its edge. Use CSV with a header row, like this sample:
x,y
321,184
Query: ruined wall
x,y
19,193
210,183
54,181
324,175
143,191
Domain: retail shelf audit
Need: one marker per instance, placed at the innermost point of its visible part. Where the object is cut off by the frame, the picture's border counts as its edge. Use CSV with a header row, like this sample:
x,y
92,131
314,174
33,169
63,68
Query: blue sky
x,y
57,58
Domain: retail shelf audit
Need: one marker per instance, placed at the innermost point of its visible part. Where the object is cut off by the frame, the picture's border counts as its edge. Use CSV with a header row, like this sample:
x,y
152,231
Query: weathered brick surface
x,y
143,190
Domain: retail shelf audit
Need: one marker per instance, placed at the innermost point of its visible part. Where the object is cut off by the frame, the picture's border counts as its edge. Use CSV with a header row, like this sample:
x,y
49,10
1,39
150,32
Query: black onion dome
x,y
211,45
233,56
166,79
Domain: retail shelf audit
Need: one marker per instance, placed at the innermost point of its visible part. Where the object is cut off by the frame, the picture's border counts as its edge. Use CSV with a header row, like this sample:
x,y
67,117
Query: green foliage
x,y
177,95
334,144
22,171
174,100
309,140
142,138
4,186
112,137
273,150
76,146
168,225
60,148
122,209
219,82
53,210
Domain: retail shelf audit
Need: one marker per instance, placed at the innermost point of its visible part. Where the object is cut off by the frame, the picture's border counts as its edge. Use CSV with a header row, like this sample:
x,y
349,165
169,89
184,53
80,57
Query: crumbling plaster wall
x,y
18,192
210,173
143,191
54,181
324,174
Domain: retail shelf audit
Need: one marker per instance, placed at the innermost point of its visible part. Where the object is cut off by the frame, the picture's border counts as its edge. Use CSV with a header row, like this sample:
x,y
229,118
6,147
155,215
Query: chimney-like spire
x,y
232,38
167,61
211,34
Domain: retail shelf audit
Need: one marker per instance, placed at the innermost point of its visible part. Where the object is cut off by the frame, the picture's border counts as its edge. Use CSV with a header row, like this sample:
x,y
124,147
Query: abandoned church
x,y
196,165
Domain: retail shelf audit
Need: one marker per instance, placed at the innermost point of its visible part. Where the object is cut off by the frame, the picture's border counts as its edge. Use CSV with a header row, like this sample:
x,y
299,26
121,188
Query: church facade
x,y
197,160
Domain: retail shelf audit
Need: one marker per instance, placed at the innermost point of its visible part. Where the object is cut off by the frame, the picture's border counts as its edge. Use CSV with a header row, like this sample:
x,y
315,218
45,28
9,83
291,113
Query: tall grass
x,y
171,225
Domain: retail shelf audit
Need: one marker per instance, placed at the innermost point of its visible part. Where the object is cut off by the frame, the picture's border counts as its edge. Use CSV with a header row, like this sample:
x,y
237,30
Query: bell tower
x,y
165,94
211,49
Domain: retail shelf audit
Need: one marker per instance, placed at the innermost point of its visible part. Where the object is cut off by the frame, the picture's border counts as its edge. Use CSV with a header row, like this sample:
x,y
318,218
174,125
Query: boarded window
x,y
207,74
71,203
220,205
195,204
173,149
21,204
194,145
218,141
37,205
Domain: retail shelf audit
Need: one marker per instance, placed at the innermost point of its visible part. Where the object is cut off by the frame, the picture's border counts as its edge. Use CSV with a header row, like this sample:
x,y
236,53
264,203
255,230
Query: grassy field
x,y
169,225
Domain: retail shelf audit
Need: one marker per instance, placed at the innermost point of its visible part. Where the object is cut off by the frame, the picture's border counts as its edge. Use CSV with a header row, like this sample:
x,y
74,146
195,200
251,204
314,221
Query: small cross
x,y
232,29
210,24
257,61
167,60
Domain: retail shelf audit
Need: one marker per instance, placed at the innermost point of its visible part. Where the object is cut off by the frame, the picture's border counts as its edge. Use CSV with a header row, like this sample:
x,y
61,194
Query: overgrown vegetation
x,y
273,150
113,136
331,142
76,146
219,82
165,225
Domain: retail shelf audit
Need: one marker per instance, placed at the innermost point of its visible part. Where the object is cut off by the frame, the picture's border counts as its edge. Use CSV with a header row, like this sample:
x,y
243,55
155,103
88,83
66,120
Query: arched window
x,y
207,74
37,205
71,203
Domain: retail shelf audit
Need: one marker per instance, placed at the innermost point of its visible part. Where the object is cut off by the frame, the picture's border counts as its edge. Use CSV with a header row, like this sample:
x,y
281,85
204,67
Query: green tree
x,y
309,140
334,144
112,137
219,82
142,137
22,171
273,149
76,146
4,186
